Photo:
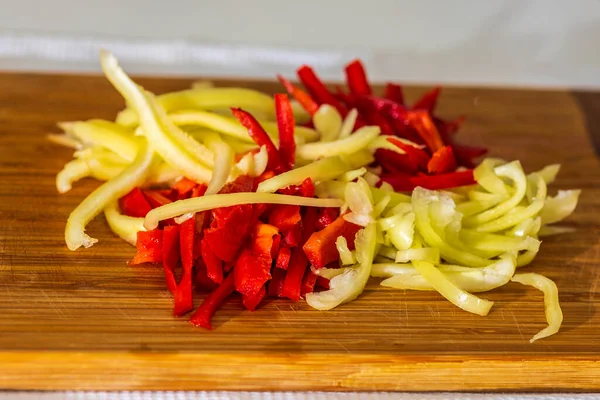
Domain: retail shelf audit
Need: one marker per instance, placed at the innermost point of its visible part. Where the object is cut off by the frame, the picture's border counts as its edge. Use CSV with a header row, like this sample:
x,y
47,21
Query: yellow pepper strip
x,y
124,226
554,314
199,204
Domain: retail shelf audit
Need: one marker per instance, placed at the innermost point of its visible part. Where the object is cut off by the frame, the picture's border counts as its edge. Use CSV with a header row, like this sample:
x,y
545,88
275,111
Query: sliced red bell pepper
x,y
298,260
284,216
203,282
276,246
322,282
156,198
198,191
394,93
428,101
442,161
318,90
305,189
293,236
214,265
276,282
283,258
300,95
228,230
327,216
183,293
418,156
391,161
260,137
268,174
203,315
149,247
465,154
134,204
252,301
308,284
423,124
374,117
253,266
184,187
406,183
320,247
357,78
285,125
170,253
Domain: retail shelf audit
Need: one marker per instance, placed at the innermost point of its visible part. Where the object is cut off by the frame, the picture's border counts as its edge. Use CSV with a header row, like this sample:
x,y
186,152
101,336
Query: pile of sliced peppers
x,y
235,191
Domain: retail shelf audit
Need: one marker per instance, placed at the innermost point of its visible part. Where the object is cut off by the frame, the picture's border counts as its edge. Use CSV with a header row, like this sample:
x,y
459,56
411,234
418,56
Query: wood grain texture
x,y
86,320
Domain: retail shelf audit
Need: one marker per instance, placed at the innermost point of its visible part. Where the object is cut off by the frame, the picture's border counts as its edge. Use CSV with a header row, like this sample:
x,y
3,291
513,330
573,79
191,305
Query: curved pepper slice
x,y
134,204
259,135
318,90
442,161
300,95
357,78
285,125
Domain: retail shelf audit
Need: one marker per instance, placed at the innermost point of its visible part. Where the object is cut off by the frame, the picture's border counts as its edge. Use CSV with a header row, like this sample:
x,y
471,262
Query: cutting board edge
x,y
29,370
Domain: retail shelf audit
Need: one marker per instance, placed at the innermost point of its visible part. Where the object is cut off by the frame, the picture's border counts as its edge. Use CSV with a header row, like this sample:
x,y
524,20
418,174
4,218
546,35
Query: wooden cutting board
x,y
86,320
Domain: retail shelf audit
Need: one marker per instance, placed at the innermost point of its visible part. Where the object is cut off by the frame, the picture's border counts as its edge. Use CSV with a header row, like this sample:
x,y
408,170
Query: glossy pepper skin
x,y
320,248
285,126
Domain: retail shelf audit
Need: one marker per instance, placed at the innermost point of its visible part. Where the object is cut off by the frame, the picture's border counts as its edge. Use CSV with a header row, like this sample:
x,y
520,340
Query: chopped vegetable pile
x,y
235,191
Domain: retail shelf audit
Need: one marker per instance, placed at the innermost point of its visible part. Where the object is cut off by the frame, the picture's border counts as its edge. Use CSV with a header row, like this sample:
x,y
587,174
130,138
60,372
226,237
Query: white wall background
x,y
499,42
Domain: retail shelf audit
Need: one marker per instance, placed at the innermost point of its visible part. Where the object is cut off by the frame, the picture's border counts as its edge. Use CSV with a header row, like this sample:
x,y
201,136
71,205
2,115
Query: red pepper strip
x,y
284,216
252,301
170,253
134,204
428,101
198,191
308,284
418,156
276,283
357,78
392,162
318,90
298,260
300,95
283,258
156,198
183,187
388,107
228,230
442,161
149,247
323,282
326,217
306,189
183,293
320,247
276,246
374,117
214,265
203,282
260,137
422,122
465,154
285,125
394,93
292,237
211,303
253,266
406,183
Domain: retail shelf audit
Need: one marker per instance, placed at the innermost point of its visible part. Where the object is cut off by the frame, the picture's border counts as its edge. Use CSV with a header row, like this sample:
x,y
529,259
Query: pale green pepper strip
x,y
496,274
224,161
486,177
322,170
231,127
451,291
336,189
355,142
516,215
106,134
513,171
420,203
207,99
165,137
133,176
554,314
73,171
209,202
124,226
